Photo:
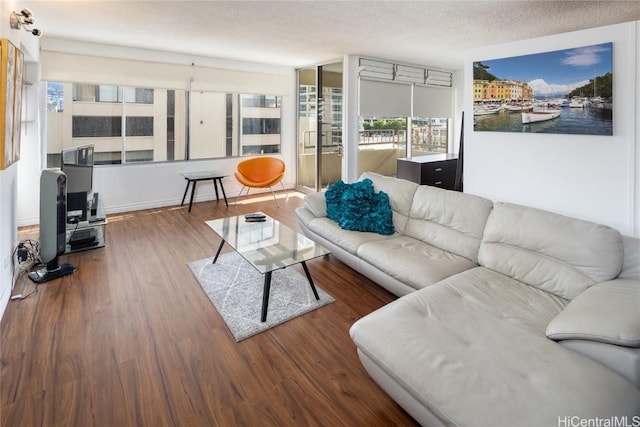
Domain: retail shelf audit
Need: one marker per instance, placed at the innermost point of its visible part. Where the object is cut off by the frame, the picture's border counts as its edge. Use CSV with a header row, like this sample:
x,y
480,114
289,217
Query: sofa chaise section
x,y
472,349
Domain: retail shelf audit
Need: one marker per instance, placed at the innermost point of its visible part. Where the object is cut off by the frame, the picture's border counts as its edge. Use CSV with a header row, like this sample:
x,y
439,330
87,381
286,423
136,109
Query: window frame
x,y
126,107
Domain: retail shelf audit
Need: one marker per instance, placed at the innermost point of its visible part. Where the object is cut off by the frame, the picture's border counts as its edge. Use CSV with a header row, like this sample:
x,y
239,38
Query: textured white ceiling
x,y
300,33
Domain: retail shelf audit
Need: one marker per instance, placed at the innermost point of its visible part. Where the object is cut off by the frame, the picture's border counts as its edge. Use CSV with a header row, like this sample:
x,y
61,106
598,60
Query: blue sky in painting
x,y
555,73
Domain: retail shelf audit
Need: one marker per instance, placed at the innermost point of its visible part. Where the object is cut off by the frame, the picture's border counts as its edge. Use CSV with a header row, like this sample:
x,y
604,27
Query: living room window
x,y
382,140
129,124
103,93
231,124
404,111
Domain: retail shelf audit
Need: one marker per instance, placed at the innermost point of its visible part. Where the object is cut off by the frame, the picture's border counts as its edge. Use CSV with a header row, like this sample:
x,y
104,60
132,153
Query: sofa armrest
x,y
316,204
623,360
608,312
631,261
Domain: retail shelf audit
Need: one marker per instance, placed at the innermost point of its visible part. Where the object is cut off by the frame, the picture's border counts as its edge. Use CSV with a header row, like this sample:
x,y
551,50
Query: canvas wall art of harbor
x,y
567,91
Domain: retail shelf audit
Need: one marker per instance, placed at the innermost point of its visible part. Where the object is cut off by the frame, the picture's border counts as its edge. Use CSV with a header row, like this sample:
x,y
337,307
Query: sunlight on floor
x,y
258,198
264,197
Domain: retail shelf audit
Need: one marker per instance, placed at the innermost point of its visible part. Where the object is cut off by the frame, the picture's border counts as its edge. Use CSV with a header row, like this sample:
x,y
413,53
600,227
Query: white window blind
x,y
373,69
387,71
439,78
408,74
66,67
219,80
395,90
382,99
431,102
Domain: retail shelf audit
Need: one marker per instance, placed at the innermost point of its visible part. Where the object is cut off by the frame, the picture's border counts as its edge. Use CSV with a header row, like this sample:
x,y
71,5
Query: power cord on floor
x,y
27,255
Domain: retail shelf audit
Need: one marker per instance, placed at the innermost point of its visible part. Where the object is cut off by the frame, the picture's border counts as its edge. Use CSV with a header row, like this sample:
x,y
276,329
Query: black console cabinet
x,y
438,170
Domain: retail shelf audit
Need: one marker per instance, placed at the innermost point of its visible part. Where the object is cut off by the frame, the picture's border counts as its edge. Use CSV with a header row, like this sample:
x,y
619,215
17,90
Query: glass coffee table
x,y
267,246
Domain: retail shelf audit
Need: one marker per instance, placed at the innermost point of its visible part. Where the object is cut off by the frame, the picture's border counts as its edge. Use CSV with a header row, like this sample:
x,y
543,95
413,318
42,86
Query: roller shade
x,y
65,67
73,68
431,102
219,80
382,99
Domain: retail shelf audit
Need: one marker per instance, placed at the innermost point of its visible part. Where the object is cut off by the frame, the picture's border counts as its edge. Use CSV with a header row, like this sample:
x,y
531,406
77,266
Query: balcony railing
x,y
432,140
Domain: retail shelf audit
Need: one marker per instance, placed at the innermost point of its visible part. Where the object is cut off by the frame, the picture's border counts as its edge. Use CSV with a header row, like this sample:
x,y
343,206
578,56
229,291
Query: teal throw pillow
x,y
333,197
365,210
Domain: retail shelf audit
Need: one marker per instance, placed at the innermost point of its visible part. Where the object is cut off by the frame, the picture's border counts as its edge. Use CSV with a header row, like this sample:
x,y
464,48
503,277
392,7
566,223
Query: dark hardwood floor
x,y
131,339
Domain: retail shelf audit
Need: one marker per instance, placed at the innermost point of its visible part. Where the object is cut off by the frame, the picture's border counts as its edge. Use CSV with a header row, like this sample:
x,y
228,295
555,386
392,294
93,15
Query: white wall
x,y
31,153
10,177
586,176
350,125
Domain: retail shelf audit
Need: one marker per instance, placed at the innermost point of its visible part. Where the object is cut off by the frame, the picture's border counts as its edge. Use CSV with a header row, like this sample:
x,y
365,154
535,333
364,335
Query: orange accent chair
x,y
260,172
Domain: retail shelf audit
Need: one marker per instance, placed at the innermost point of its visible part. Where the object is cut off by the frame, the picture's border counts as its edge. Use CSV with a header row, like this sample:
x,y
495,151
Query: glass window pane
x,y
131,124
382,141
107,94
307,128
212,123
139,126
260,126
261,122
429,136
154,122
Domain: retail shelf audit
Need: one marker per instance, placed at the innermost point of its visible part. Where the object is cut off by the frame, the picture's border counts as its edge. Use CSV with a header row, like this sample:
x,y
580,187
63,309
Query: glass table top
x,y
267,245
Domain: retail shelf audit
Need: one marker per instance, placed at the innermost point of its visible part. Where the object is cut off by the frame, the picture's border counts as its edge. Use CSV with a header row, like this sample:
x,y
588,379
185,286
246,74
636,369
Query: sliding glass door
x,y
319,126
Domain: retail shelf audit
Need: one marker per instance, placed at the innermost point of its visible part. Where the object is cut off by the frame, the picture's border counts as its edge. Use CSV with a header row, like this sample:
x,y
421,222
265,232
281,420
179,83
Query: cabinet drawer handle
x,y
438,169
438,183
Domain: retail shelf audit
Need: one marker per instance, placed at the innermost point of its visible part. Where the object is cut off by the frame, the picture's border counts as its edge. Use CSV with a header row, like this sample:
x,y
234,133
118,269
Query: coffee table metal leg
x,y
223,193
218,252
313,287
215,186
185,193
265,295
193,193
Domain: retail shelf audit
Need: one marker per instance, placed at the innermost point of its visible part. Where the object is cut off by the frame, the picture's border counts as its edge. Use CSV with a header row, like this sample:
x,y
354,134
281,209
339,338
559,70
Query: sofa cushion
x,y
449,220
316,204
608,312
472,349
558,254
400,194
347,240
411,261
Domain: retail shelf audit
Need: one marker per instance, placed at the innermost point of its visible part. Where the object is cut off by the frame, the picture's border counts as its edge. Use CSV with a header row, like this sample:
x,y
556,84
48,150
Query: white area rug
x,y
235,289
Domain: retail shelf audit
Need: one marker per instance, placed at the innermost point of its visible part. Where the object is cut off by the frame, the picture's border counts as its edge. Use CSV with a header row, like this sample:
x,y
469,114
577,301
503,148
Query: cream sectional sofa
x,y
508,316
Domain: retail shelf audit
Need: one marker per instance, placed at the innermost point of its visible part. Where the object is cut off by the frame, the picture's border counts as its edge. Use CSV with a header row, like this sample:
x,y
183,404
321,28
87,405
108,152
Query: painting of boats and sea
x,y
565,91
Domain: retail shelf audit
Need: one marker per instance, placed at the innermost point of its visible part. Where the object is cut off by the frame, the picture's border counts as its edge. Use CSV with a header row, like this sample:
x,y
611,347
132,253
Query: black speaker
x,y
77,205
53,226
